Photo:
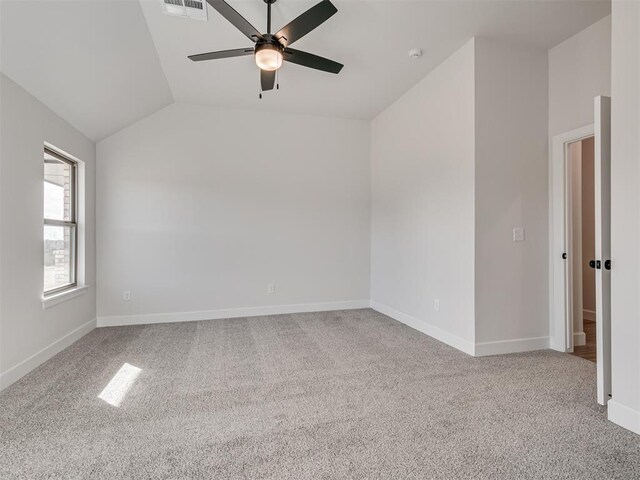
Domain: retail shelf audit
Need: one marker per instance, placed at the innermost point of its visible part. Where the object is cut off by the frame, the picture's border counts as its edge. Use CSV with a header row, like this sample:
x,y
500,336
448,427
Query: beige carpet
x,y
349,394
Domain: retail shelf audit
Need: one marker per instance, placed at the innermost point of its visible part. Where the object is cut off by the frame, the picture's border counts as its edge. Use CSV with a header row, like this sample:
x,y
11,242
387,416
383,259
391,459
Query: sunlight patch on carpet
x,y
119,385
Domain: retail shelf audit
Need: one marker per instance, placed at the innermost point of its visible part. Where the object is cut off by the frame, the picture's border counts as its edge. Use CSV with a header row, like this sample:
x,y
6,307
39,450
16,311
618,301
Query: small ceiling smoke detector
x,y
415,53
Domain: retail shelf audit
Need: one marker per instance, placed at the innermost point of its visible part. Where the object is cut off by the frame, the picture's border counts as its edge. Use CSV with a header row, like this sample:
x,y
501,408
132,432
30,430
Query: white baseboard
x,y
579,339
589,315
145,319
426,328
512,346
624,416
18,371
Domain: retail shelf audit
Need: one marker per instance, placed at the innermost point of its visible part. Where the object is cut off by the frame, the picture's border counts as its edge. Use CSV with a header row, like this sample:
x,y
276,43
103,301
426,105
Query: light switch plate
x,y
518,234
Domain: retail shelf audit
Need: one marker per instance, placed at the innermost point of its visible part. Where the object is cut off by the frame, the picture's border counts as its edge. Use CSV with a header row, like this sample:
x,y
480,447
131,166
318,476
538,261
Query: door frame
x,y
560,276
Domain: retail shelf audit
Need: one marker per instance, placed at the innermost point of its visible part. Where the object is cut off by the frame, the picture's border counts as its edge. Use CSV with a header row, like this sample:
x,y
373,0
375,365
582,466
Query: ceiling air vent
x,y
186,8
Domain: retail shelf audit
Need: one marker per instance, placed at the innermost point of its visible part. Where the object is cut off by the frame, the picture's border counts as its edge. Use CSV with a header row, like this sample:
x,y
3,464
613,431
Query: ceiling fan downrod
x,y
269,3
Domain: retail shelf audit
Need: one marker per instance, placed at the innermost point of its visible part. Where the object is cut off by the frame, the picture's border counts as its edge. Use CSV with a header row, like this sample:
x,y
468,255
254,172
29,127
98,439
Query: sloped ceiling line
x,y
94,62
105,64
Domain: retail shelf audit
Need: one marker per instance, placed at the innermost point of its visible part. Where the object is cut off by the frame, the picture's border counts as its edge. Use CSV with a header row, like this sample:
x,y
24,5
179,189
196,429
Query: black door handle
x,y
564,256
607,264
592,263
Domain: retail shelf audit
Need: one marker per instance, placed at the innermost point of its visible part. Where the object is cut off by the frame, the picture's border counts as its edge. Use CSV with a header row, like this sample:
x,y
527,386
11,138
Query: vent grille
x,y
193,4
186,8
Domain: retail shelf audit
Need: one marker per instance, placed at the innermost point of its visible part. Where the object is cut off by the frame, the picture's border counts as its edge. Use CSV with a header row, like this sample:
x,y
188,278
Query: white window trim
x,y
81,287
51,300
71,223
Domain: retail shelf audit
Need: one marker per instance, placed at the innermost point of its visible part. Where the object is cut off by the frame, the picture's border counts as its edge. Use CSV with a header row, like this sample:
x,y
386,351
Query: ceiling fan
x,y
271,49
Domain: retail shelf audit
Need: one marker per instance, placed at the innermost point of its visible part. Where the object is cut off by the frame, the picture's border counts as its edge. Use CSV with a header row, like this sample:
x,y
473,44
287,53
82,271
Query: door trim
x,y
559,317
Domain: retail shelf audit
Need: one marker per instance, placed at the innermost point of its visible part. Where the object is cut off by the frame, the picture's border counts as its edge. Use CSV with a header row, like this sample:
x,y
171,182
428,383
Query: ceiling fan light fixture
x,y
268,57
270,50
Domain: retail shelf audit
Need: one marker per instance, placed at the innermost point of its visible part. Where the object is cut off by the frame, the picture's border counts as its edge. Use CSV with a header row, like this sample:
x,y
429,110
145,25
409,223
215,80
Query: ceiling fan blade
x,y
237,20
312,61
267,80
306,22
238,52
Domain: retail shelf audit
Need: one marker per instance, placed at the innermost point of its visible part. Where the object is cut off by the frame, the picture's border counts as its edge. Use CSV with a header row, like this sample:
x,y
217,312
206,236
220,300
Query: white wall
x,y
30,335
422,229
511,184
579,70
458,162
200,208
624,409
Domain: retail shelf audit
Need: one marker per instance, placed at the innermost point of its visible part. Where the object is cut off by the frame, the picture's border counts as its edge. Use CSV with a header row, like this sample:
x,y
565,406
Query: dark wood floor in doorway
x,y
588,351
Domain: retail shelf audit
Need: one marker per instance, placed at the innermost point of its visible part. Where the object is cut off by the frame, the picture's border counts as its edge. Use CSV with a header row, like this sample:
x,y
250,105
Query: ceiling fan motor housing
x,y
269,39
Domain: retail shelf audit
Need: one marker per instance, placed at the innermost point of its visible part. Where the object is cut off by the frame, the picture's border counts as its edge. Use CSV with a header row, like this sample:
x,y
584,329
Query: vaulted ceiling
x,y
104,64
92,62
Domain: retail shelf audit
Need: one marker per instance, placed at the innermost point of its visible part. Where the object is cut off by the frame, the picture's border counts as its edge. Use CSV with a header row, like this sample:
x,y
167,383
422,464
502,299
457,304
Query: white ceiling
x,y
92,62
104,64
372,39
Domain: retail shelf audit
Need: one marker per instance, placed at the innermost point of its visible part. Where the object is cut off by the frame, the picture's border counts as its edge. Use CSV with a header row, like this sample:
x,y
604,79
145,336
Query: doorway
x,y
581,216
568,246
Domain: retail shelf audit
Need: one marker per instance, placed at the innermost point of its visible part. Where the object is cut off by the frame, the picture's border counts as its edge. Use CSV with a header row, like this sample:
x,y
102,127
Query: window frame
x,y
72,223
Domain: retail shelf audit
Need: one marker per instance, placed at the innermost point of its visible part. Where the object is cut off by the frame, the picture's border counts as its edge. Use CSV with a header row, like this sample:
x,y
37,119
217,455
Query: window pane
x,y
58,256
58,182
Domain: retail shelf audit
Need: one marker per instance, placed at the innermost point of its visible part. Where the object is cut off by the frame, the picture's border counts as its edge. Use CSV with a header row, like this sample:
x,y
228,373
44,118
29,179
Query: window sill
x,y
50,301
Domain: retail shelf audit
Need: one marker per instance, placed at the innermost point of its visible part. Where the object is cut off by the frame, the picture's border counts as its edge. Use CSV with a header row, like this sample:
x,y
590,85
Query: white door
x,y
603,245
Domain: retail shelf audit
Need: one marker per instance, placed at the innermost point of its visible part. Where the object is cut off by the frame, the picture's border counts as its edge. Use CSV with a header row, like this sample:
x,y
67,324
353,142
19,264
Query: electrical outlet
x,y
126,296
271,289
436,304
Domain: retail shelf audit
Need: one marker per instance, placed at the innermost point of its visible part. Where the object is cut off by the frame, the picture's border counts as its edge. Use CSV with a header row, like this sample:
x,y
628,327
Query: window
x,y
60,222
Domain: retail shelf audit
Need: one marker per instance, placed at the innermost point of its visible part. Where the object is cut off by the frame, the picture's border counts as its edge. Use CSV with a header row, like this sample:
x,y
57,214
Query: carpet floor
x,y
349,394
